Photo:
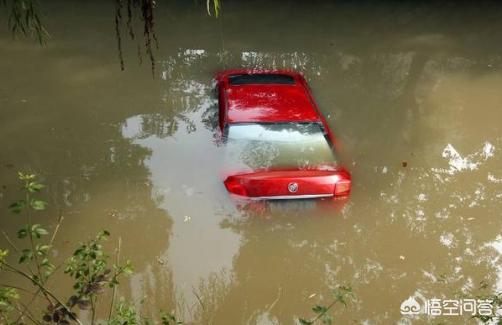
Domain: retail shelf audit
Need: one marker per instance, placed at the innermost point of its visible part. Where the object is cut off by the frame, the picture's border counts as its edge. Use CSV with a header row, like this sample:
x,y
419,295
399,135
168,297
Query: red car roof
x,y
268,102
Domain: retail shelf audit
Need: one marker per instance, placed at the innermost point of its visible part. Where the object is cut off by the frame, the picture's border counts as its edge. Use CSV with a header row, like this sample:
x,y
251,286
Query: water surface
x,y
412,91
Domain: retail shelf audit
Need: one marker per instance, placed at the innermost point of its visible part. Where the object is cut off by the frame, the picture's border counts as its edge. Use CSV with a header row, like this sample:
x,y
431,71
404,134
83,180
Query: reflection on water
x,y
252,147
401,85
198,246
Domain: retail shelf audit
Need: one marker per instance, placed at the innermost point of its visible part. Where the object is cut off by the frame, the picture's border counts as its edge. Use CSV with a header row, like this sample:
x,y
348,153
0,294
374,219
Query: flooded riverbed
x,y
413,93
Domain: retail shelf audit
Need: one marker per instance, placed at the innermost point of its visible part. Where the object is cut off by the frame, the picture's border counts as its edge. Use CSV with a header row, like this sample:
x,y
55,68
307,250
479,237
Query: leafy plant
x,y
8,296
169,319
89,266
496,302
35,255
341,295
124,314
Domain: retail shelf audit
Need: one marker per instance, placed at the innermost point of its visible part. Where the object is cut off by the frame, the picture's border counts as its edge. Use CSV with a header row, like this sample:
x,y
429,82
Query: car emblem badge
x,y
293,187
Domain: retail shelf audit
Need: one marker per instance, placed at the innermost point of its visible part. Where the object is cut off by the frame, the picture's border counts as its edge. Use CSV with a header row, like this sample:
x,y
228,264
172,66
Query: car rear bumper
x,y
291,197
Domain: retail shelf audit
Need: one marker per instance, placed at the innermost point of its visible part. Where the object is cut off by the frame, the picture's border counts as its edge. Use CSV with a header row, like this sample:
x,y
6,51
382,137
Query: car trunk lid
x,y
287,184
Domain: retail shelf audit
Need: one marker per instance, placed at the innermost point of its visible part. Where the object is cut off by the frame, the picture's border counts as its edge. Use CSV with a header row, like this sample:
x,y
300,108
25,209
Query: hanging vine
x,y
146,8
25,19
216,7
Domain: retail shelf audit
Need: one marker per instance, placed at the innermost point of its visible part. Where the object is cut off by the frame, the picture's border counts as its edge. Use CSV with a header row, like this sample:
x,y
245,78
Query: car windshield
x,y
278,145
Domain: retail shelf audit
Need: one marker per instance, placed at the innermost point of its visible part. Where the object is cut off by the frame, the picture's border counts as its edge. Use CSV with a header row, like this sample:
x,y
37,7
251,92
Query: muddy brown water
x,y
401,84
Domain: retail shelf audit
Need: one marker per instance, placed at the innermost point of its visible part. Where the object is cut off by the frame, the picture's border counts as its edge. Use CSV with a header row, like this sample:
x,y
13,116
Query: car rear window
x,y
248,79
278,145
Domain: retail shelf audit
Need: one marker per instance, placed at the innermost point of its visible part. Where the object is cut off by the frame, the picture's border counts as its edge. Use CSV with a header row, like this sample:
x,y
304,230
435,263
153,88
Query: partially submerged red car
x,y
277,143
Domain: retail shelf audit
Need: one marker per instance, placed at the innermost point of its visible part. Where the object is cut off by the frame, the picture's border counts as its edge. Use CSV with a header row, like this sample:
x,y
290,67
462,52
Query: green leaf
x,y
342,293
103,234
48,267
38,231
127,268
44,248
169,319
17,207
38,204
22,233
327,319
319,309
25,177
34,187
25,255
3,254
41,232
305,322
216,7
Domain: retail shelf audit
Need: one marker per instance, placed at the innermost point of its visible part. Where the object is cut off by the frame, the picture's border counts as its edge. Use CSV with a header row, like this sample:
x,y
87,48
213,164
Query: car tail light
x,y
235,187
342,187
